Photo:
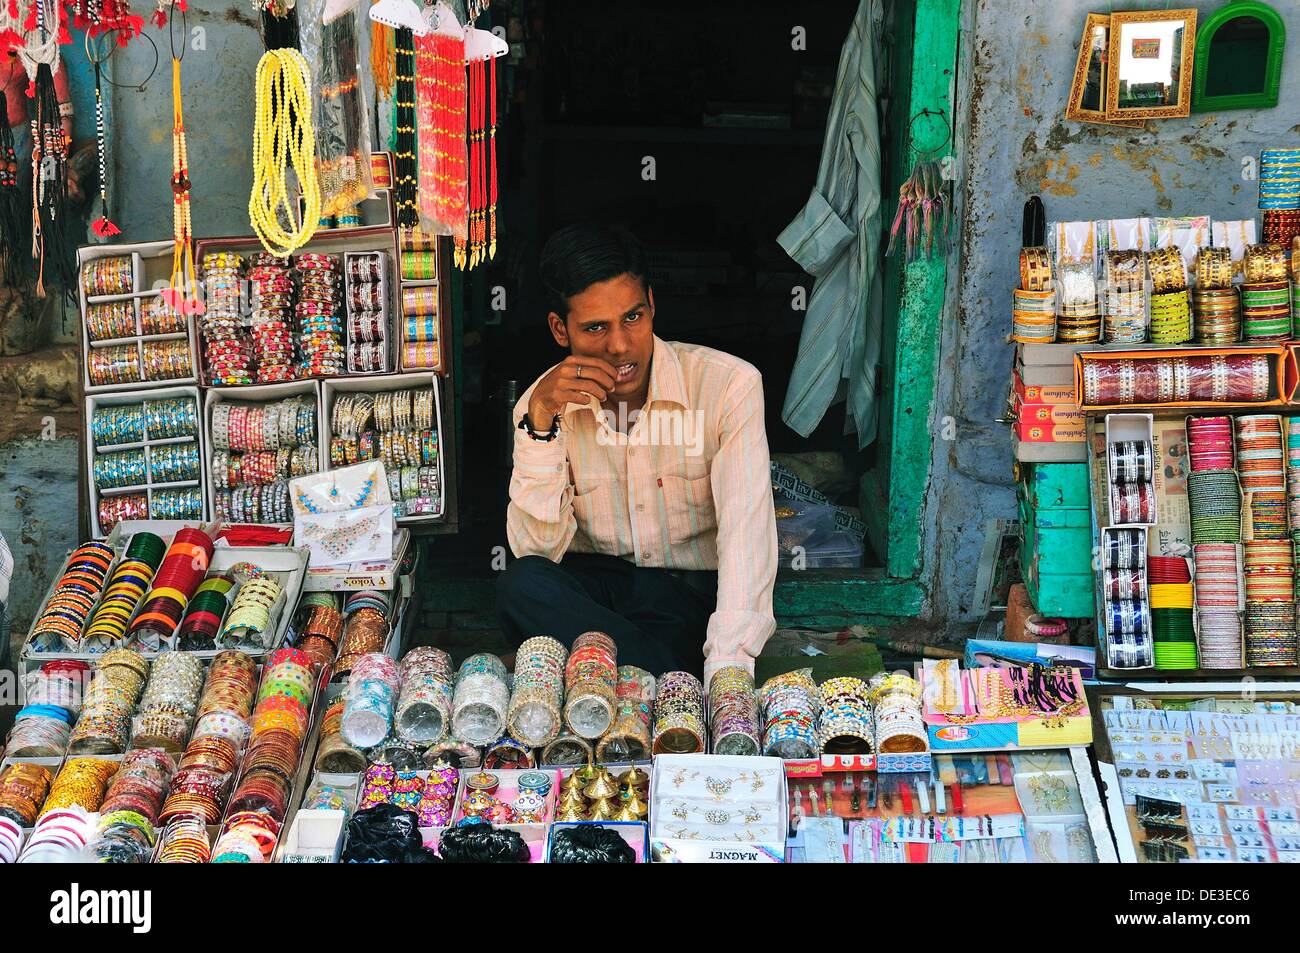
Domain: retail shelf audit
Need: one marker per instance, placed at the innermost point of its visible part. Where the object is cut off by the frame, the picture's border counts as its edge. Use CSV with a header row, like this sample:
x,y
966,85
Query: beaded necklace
x,y
440,95
182,294
406,184
283,133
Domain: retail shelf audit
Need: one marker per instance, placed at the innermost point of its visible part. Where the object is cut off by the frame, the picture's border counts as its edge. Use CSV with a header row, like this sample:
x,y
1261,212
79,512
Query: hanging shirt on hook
x,y
836,240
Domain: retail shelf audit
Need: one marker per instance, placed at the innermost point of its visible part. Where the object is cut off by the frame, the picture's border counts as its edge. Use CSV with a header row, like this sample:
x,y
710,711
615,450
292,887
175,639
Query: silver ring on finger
x,y
579,370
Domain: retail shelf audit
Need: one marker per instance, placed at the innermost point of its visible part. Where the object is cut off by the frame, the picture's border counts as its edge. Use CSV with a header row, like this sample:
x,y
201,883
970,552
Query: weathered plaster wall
x,y
38,513
1018,67
222,47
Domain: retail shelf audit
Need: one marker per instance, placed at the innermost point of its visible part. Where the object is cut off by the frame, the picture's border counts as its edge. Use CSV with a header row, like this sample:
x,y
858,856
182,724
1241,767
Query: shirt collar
x,y
667,382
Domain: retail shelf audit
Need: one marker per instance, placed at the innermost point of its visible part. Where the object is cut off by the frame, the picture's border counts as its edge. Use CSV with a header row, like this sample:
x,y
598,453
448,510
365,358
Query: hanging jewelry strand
x,y
182,295
283,134
103,226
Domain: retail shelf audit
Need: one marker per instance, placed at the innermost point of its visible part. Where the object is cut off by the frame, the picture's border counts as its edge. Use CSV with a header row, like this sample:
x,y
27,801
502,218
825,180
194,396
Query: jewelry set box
x,y
718,809
980,713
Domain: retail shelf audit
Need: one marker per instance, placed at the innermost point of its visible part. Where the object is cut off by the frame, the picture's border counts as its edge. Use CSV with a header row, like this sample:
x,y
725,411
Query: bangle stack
x,y
112,321
334,754
169,703
23,789
176,581
365,628
899,726
319,629
534,716
424,704
318,311
371,699
126,590
366,287
272,329
104,726
1237,378
590,679
257,449
630,737
81,782
790,703
220,731
1125,297
59,627
227,351
399,428
480,700
845,719
249,625
108,276
280,721
679,726
733,712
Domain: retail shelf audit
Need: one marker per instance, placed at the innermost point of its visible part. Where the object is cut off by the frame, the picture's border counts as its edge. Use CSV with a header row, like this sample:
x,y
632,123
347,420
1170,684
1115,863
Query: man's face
x,y
613,320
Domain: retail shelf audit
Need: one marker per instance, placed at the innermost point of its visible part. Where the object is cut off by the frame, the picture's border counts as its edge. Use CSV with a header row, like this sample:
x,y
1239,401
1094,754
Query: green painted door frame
x,y
892,494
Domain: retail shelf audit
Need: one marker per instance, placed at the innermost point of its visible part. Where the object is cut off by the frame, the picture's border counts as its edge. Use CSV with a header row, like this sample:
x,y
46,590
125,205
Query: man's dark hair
x,y
578,256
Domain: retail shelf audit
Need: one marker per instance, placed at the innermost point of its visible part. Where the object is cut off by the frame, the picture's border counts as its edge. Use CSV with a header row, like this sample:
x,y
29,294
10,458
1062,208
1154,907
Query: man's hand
x,y
572,381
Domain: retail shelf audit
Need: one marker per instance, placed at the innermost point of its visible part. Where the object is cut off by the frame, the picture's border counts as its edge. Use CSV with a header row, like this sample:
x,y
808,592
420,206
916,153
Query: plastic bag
x,y
342,114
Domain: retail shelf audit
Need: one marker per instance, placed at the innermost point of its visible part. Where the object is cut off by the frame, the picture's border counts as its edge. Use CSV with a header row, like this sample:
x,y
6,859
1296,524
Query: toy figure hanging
x,y
924,202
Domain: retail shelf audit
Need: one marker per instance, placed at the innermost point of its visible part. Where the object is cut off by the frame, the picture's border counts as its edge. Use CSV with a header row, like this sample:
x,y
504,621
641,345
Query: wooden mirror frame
x,y
1074,110
1180,109
1267,99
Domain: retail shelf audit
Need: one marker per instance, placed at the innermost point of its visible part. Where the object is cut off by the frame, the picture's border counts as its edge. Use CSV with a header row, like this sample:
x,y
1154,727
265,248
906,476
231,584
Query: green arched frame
x,y
1266,98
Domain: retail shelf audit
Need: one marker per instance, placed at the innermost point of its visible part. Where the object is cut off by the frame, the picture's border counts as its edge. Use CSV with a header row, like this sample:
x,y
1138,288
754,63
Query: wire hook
x,y
947,131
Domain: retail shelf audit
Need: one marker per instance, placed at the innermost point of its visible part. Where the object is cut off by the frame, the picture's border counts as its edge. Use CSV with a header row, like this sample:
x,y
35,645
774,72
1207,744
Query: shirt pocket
x,y
594,513
689,507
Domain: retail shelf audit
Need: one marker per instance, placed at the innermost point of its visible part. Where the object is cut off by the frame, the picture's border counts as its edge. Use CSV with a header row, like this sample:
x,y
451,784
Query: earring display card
x,y
1207,778
1027,807
718,809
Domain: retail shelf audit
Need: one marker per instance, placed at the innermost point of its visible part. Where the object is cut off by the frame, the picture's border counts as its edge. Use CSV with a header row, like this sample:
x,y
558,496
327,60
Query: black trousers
x,y
658,617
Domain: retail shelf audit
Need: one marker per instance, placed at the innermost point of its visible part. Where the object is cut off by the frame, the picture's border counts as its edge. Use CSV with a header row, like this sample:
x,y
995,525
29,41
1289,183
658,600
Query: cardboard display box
x,y
151,272
120,398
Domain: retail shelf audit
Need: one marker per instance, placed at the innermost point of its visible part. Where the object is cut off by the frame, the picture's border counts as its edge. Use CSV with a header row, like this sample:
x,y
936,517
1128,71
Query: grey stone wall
x,y
1018,65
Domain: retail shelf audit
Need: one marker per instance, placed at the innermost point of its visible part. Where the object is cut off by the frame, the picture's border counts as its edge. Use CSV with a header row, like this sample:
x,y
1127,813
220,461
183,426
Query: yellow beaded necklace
x,y
283,133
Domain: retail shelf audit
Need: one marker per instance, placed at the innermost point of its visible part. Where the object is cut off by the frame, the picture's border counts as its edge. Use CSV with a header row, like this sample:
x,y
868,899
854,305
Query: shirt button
x,y
640,507
646,555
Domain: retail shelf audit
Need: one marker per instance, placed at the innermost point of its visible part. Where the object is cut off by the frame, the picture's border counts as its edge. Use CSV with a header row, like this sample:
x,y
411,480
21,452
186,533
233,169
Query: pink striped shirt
x,y
688,487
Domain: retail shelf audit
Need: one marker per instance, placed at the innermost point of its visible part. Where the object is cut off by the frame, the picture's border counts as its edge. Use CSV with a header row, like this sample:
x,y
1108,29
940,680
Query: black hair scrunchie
x,y
482,844
590,844
386,834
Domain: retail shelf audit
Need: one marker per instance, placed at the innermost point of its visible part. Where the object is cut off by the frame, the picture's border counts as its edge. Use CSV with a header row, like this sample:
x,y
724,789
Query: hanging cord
x,y
103,226
283,134
11,204
182,294
49,183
